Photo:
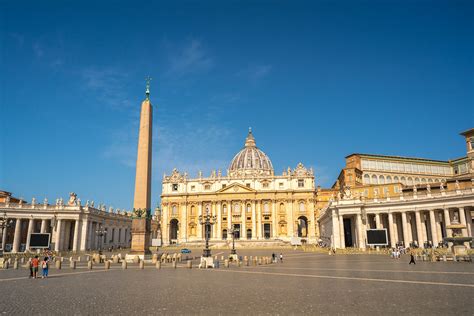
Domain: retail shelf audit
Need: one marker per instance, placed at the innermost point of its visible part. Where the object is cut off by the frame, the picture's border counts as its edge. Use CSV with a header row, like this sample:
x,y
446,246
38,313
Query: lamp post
x,y
4,224
100,232
207,220
232,231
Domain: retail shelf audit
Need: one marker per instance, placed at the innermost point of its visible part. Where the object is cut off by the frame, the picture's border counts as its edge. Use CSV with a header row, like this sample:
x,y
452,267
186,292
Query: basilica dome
x,y
250,160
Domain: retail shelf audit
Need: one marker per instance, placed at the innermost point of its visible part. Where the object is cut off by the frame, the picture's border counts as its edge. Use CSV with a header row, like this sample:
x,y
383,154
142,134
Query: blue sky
x,y
316,81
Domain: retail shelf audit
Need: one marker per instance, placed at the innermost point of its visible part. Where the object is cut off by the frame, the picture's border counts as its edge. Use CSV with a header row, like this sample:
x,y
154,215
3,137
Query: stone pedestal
x,y
206,262
140,237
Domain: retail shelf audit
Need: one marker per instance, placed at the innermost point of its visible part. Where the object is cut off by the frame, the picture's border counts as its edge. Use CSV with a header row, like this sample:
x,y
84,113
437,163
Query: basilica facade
x,y
250,200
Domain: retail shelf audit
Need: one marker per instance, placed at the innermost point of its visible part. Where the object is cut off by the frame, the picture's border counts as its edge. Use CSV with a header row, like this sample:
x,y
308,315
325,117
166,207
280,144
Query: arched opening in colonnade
x,y
174,230
302,226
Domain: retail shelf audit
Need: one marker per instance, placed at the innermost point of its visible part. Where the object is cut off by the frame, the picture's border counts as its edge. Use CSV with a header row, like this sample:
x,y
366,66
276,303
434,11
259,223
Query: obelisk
x,y
142,199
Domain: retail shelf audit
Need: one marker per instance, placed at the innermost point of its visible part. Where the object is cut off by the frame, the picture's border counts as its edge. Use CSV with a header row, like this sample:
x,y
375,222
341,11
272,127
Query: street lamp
x,y
4,224
207,220
100,232
232,231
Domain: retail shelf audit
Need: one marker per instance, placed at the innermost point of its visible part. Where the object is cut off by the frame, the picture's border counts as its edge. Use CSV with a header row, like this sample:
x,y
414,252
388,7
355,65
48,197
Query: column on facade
x,y
439,227
424,229
84,234
434,231
243,216
199,226
406,237
254,221
410,228
336,240
419,232
341,232
57,242
219,220
44,222
291,224
360,232
259,220
312,221
75,242
214,213
4,236
391,229
17,236
274,220
91,235
31,225
184,222
229,216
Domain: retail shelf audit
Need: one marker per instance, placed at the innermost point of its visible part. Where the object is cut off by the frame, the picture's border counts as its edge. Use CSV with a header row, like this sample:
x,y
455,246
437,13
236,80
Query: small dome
x,y
250,160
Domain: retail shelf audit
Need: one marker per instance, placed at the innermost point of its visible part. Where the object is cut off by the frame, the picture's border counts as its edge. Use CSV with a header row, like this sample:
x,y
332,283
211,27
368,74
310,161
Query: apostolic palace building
x,y
413,198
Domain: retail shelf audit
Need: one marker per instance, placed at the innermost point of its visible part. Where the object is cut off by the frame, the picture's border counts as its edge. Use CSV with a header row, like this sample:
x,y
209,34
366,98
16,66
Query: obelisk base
x,y
140,237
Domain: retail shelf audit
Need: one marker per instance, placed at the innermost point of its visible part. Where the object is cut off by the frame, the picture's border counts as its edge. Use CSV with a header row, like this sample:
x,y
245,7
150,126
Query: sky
x,y
316,81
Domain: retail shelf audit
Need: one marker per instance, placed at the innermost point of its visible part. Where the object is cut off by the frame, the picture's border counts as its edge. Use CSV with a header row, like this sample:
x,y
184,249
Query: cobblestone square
x,y
305,283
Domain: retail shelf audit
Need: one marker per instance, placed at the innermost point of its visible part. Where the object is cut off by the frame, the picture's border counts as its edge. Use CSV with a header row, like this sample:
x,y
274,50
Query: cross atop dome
x,y
250,140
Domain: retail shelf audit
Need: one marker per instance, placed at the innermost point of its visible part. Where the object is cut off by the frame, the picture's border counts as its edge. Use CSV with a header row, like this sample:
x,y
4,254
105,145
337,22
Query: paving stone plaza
x,y
305,283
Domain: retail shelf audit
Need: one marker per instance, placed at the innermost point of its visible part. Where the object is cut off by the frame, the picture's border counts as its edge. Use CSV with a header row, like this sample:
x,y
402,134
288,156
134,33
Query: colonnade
x,y
415,228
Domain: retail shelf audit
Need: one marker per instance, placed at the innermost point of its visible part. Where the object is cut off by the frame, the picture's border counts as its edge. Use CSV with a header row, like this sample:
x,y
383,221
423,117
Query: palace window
x,y
224,185
280,185
193,188
366,179
237,208
249,208
302,208
266,208
174,210
192,210
247,185
207,187
175,187
265,185
300,183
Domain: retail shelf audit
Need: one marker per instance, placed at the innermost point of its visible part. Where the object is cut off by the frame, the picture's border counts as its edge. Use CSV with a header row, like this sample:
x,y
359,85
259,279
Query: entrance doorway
x,y
237,231
266,231
249,233
302,226
347,232
174,229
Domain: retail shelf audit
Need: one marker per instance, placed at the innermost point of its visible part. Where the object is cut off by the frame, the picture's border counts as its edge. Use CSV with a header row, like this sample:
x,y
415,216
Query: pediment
x,y
236,188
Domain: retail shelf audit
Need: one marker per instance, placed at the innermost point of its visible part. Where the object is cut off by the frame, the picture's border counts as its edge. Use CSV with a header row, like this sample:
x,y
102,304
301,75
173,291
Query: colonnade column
x,y
434,231
229,216
391,229
406,239
31,224
17,236
462,217
336,243
184,223
469,222
254,222
57,242
447,222
4,237
84,234
377,221
341,232
75,242
259,220
219,220
43,226
419,233
360,232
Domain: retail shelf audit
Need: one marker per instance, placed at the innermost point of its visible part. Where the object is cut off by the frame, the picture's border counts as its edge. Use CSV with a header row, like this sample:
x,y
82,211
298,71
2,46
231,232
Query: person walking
x,y
35,263
281,257
412,259
30,265
45,267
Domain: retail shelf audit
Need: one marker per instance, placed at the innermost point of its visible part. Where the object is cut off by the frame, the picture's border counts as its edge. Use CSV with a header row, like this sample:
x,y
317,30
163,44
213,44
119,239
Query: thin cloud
x,y
192,58
109,84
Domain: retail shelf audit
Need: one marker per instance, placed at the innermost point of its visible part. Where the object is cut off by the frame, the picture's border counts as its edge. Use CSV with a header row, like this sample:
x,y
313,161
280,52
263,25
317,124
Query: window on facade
x,y
374,179
395,189
193,188
395,179
385,191
381,180
207,187
237,208
174,210
366,179
280,185
366,192
302,208
175,187
249,208
266,208
247,185
112,235
300,183
192,210
389,179
224,185
265,185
